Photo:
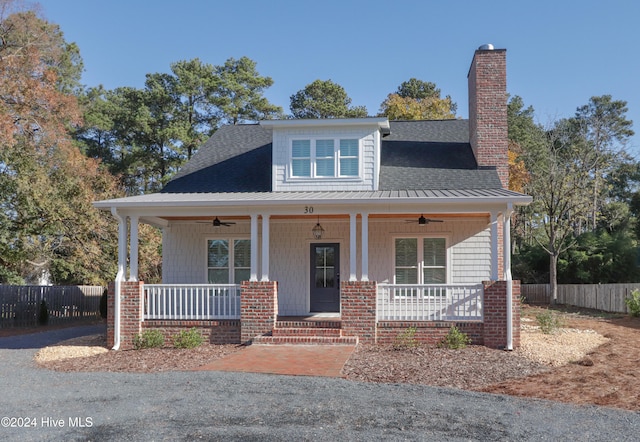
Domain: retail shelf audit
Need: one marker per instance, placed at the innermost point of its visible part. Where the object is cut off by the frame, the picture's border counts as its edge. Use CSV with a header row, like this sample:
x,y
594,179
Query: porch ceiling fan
x,y
218,223
423,221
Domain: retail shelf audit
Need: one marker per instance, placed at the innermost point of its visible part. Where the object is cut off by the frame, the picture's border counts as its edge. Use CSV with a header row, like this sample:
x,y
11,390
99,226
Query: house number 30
x,y
308,209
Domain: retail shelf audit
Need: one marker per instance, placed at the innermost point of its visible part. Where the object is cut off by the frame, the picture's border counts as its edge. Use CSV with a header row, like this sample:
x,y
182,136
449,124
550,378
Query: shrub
x,y
406,339
43,313
149,339
549,322
188,339
103,304
455,339
633,303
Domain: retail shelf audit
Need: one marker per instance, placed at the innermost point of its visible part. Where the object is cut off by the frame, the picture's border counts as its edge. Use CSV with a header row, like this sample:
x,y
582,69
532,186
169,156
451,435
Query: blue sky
x,y
559,53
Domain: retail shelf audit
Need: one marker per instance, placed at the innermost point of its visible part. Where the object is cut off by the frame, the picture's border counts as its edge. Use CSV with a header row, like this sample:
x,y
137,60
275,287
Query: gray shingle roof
x,y
436,131
235,159
428,155
432,155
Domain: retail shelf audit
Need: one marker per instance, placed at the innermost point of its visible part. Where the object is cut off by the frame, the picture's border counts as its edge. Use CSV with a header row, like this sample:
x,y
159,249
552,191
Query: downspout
x,y
122,250
507,274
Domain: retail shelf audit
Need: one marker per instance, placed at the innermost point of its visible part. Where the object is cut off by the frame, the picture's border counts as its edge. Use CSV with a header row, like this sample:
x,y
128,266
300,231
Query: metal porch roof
x,y
329,197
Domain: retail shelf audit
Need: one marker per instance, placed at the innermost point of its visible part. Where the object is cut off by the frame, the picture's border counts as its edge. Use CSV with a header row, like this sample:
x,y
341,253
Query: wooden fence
x,y
20,305
605,297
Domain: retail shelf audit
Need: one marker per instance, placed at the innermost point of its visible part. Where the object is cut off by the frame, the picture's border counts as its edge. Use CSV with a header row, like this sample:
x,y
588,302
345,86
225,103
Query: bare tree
x,y
561,184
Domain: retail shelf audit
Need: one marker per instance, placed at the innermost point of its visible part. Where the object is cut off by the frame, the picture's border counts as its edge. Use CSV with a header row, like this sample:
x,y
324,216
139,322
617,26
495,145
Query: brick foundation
x,y
213,332
358,314
259,312
427,332
358,310
517,309
111,315
258,308
495,314
131,311
258,305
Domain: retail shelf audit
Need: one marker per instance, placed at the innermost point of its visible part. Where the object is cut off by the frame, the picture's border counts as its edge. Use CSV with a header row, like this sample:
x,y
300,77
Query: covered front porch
x,y
369,313
337,253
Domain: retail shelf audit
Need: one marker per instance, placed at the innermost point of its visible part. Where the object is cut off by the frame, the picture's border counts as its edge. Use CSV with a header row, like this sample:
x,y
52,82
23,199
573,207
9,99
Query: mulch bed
x,y
470,368
608,376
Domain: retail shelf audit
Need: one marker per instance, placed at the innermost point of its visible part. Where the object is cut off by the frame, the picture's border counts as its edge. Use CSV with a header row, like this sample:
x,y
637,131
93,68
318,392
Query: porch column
x,y
122,246
113,328
506,248
132,313
258,309
254,248
365,247
353,251
265,248
358,310
133,251
494,246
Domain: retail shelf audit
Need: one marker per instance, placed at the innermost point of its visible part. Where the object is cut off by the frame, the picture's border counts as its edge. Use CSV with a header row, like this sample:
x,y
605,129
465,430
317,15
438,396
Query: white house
x,y
334,230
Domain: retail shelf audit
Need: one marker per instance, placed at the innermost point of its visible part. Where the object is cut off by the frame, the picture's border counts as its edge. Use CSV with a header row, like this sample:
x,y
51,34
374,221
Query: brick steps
x,y
306,332
305,340
308,324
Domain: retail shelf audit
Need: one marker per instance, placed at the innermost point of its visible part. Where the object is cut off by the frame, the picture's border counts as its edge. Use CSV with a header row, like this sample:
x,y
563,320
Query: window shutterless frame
x,y
227,260
324,157
421,259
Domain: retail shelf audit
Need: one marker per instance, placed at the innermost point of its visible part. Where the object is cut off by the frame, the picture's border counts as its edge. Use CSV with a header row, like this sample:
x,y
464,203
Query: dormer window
x,y
325,158
328,154
349,158
301,158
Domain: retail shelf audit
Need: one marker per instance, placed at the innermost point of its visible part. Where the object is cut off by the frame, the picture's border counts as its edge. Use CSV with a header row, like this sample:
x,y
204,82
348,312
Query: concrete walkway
x,y
296,360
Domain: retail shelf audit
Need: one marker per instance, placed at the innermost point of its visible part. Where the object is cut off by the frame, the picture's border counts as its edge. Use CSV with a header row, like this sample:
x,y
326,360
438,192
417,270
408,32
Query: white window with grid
x,y
228,260
420,260
325,158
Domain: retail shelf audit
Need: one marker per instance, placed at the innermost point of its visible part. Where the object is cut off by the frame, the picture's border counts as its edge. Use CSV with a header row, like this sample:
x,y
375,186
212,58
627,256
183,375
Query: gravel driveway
x,y
217,405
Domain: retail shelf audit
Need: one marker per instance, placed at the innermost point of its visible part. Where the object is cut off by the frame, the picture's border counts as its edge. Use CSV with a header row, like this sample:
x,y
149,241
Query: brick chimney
x,y
488,109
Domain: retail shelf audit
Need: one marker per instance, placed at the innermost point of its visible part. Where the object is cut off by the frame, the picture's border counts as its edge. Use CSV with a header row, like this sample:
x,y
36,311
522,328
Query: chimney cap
x,y
486,47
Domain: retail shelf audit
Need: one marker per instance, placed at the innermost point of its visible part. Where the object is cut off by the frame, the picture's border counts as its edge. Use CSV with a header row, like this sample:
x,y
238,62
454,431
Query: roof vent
x,y
487,47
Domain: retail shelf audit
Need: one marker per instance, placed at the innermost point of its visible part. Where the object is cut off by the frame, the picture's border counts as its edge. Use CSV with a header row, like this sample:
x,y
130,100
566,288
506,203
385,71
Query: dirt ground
x,y
594,359
608,375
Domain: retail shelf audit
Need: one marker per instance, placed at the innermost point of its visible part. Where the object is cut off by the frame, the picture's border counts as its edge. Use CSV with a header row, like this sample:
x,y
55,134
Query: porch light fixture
x,y
317,230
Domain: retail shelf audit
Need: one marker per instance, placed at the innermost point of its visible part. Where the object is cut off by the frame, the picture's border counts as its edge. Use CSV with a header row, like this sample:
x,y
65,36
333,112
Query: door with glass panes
x,y
325,278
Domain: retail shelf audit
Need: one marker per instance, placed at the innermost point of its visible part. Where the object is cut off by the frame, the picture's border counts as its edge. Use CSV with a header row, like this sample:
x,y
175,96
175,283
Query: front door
x,y
325,278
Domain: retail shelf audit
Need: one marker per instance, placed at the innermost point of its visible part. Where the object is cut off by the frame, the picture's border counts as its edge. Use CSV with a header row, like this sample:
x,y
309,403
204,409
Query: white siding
x,y
471,254
469,243
281,146
184,250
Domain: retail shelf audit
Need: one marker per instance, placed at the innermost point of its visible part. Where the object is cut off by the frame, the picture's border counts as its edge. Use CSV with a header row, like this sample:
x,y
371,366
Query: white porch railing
x,y
411,302
191,301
